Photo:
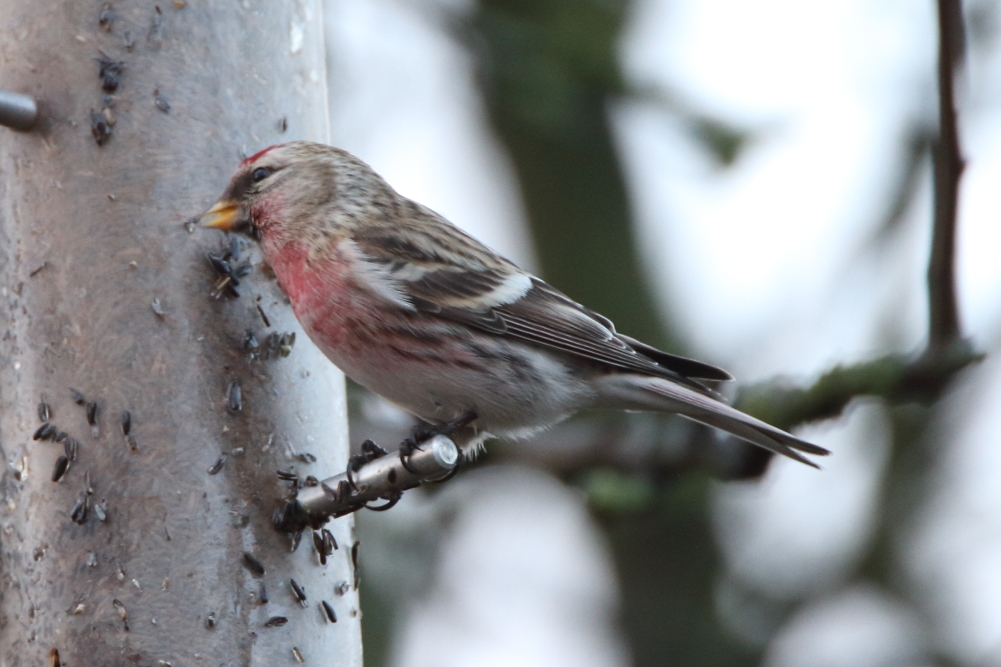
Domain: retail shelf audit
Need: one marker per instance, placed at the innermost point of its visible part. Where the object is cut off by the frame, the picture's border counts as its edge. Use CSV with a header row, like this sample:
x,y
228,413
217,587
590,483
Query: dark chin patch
x,y
245,227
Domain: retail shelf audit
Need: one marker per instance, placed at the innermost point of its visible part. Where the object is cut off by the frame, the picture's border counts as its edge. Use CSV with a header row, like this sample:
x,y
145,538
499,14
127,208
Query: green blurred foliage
x,y
549,65
668,564
612,493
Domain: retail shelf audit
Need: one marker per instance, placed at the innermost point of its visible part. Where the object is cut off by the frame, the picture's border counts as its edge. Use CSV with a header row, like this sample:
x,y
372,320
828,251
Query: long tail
x,y
641,392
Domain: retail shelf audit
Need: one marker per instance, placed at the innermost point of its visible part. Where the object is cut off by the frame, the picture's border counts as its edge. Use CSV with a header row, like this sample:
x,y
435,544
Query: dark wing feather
x,y
687,367
546,317
461,282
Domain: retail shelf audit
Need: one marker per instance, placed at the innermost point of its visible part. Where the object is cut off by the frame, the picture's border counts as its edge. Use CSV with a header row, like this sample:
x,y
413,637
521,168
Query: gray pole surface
x,y
104,290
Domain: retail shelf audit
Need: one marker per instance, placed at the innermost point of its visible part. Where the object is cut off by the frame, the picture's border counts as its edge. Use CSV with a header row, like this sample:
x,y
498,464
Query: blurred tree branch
x,y
896,379
943,328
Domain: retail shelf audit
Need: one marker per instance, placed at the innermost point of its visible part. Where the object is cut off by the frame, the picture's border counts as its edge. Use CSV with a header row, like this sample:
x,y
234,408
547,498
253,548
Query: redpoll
x,y
411,307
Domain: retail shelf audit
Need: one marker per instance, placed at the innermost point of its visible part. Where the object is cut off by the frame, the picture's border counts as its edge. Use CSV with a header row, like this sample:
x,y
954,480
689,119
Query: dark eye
x,y
260,174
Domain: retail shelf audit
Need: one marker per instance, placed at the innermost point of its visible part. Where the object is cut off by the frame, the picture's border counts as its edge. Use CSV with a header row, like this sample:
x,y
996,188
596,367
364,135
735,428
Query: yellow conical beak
x,y
221,216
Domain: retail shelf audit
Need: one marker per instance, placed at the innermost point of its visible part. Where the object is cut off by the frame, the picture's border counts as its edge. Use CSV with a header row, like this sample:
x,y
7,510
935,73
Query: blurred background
x,y
750,184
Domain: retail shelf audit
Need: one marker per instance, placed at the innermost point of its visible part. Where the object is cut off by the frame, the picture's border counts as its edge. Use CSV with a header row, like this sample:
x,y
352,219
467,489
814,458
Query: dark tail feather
x,y
640,392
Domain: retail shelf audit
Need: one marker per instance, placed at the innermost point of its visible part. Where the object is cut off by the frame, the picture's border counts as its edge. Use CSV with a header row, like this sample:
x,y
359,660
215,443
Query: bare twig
x,y
943,325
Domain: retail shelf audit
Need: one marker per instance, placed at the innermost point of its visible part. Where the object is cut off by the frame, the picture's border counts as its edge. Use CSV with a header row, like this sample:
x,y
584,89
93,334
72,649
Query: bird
x,y
414,309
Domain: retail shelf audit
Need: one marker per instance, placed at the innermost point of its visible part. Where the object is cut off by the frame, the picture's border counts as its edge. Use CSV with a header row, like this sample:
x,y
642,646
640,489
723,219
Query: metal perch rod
x,y
385,477
17,111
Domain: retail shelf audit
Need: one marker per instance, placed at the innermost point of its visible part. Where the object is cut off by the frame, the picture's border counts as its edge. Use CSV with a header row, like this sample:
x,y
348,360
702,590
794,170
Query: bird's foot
x,y
369,452
422,432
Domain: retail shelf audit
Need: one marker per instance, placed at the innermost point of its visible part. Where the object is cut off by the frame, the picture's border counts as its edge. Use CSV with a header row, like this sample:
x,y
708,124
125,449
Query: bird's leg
x,y
422,432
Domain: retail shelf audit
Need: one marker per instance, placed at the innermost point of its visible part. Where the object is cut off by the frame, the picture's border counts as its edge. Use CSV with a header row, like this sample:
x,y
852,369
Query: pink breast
x,y
326,300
